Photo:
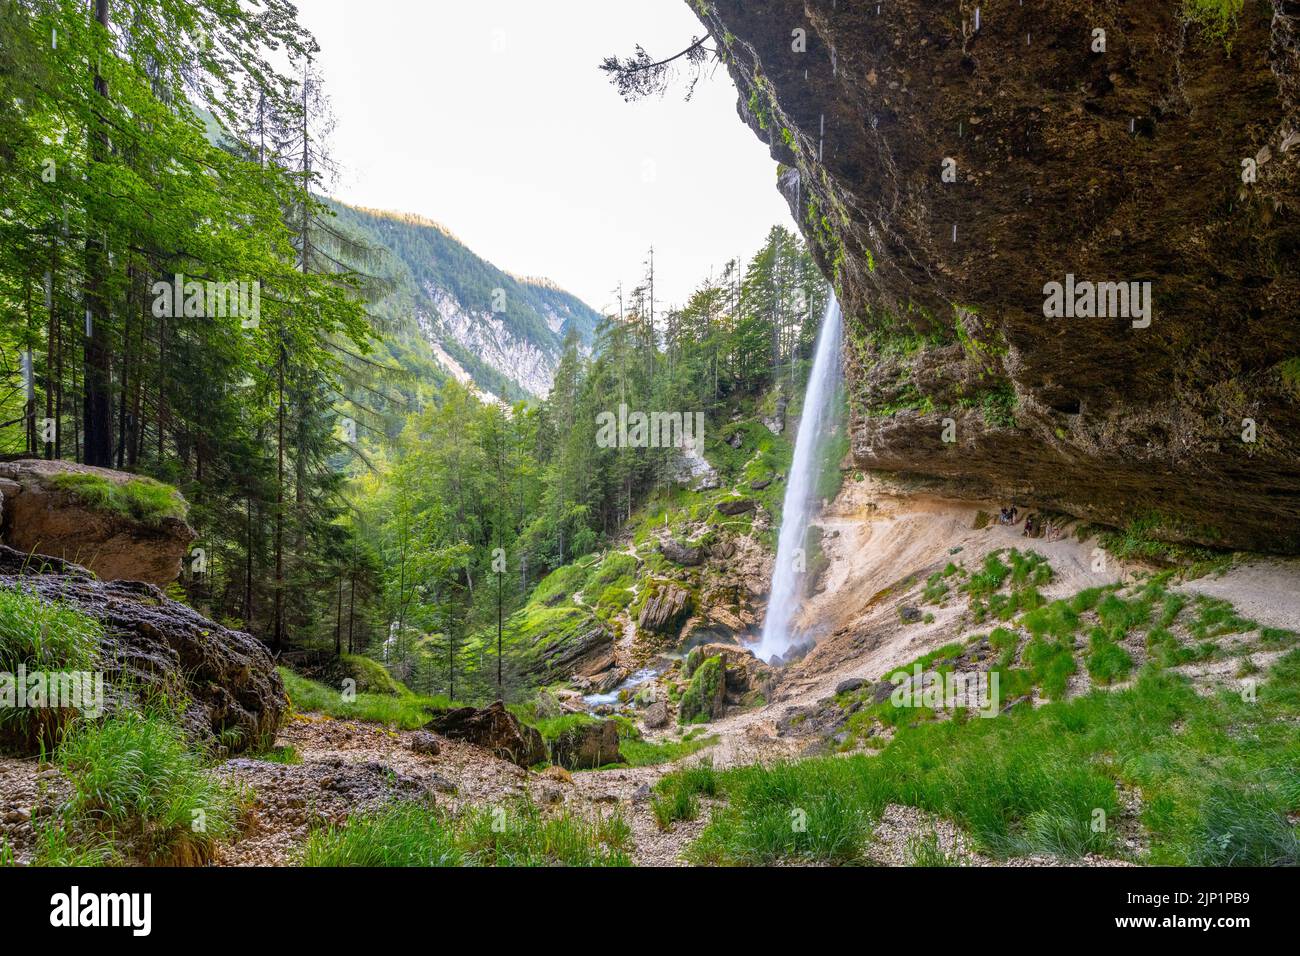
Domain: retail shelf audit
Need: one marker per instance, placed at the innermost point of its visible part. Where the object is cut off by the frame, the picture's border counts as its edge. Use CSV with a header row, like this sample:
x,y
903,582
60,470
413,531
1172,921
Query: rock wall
x,y
1161,151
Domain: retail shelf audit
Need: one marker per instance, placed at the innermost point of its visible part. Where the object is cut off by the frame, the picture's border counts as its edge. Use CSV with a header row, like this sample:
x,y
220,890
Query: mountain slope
x,y
503,332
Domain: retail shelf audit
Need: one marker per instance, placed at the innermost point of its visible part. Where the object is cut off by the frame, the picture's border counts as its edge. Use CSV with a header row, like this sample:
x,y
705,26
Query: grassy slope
x,y
1217,776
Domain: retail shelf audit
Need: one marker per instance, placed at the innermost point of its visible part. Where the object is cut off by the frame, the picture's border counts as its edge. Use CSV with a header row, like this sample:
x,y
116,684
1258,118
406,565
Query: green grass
x,y
1057,619
677,795
1217,777
285,755
141,499
1107,661
1051,664
45,636
924,849
135,780
407,710
519,834
641,753
1213,618
817,811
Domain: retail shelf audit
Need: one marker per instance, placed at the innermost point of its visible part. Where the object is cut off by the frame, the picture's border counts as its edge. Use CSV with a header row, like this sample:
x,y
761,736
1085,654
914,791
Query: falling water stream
x,y
819,411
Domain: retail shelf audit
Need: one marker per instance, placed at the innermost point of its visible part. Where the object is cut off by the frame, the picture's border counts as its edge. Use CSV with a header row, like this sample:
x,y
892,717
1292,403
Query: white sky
x,y
491,117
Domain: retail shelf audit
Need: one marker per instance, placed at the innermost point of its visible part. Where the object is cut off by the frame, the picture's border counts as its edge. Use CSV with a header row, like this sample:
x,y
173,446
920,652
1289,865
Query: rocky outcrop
x,y
736,506
587,746
946,173
680,554
705,696
748,681
122,527
664,609
232,696
494,729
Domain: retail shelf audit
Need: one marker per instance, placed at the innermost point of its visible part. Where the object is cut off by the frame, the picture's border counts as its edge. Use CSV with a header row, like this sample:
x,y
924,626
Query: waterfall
x,y
814,423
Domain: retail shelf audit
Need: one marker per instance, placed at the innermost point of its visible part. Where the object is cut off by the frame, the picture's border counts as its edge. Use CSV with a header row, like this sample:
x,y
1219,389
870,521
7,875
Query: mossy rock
x,y
705,696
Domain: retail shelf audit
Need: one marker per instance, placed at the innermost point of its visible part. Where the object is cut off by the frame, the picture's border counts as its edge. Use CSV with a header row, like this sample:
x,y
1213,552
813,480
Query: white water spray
x,y
788,578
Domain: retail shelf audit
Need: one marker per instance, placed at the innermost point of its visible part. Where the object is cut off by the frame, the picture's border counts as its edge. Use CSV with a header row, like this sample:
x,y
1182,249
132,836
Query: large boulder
x,y
226,682
747,679
587,746
736,506
493,728
122,527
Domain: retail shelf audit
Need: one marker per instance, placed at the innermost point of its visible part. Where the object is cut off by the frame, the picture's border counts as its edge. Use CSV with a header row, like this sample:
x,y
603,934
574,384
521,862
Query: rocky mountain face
x,y
502,333
950,161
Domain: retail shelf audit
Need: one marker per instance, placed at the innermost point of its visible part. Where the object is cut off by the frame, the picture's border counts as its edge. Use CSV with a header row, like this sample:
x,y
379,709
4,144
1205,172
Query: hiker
x,y
1030,527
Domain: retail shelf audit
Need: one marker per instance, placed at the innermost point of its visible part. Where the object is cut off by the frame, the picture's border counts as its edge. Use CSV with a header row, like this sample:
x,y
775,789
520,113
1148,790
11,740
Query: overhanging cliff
x,y
947,174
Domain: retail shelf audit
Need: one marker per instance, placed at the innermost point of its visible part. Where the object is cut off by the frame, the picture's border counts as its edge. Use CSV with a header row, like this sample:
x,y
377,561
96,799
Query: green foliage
x,y
641,753
1108,662
1217,18
134,777
677,795
520,834
46,636
140,499
406,710
1057,619
1213,772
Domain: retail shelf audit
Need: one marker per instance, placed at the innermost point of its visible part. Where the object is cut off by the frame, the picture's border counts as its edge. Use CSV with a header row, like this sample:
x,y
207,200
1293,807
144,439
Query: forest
x,y
345,495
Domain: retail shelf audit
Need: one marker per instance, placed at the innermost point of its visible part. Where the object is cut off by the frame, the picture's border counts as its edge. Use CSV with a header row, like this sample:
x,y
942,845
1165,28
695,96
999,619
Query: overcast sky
x,y
491,117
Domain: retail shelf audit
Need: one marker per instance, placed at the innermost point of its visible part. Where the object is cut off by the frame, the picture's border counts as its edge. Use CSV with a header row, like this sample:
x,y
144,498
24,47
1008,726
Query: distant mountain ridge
x,y
503,332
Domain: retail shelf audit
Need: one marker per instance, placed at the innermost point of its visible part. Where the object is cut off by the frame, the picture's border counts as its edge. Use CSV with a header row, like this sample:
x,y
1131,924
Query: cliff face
x,y
1115,158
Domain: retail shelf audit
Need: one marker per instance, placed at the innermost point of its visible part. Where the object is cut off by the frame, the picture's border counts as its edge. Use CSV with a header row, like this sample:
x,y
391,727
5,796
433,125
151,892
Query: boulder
x,y
232,695
736,506
705,697
494,729
656,715
851,684
587,746
122,527
424,743
681,554
748,680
